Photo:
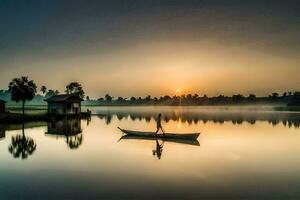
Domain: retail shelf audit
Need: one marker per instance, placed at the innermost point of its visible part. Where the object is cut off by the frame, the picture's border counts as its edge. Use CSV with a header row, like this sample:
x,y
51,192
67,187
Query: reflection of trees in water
x,y
74,141
22,146
287,119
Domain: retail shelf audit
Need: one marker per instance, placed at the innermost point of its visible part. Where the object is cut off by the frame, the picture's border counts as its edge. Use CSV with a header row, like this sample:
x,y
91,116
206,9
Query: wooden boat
x,y
182,136
179,141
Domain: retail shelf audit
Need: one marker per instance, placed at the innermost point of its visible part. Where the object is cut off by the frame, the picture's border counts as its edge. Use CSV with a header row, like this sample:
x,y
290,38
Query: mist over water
x,y
196,114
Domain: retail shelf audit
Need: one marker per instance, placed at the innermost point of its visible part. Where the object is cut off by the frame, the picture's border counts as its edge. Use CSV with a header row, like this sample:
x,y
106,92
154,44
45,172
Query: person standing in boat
x,y
158,124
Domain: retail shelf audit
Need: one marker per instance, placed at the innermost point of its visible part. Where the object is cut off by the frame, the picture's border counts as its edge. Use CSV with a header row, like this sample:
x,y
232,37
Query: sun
x,y
178,90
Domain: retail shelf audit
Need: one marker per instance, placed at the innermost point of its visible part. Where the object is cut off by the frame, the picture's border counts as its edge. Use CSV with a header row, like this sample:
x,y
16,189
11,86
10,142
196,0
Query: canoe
x,y
179,141
182,136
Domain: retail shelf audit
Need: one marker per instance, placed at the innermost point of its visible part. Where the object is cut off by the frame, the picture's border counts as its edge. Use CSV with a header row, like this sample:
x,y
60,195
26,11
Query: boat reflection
x,y
180,141
68,128
159,146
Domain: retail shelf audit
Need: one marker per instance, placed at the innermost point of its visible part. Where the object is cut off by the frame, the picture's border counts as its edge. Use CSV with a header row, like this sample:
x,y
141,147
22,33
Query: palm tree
x,y
43,89
22,89
108,97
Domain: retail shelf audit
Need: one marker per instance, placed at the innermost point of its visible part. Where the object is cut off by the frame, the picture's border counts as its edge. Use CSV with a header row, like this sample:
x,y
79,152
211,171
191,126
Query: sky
x,y
153,47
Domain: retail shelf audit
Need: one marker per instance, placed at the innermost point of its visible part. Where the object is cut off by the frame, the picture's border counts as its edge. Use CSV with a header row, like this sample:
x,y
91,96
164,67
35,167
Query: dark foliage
x,y
75,88
22,89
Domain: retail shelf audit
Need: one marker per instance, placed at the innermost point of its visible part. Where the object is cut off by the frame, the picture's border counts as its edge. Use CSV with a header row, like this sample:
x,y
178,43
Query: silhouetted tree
x,y
147,99
108,97
237,98
43,89
87,98
284,94
132,99
121,99
51,93
75,88
251,97
22,89
275,95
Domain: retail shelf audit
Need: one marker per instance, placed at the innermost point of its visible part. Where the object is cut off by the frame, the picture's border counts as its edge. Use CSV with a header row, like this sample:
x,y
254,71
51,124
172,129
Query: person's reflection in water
x,y
158,150
158,124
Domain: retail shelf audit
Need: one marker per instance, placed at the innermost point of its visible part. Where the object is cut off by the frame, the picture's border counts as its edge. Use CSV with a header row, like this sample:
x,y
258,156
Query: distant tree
x,y
87,98
251,97
75,88
237,98
43,89
284,94
108,97
189,96
274,96
195,96
51,93
120,99
100,99
22,89
132,99
148,98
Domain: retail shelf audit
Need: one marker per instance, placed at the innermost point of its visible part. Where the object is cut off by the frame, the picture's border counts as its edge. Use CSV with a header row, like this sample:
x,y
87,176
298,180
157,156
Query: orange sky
x,y
140,49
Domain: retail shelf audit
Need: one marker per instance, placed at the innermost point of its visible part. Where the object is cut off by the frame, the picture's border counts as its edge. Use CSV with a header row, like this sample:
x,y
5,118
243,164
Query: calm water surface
x,y
240,154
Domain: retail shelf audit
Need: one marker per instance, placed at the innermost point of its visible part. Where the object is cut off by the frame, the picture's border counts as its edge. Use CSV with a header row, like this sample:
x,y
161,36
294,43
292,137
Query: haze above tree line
x,y
37,97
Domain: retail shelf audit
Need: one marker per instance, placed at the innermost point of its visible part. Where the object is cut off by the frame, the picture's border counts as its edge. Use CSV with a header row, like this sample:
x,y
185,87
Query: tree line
x,y
288,98
23,89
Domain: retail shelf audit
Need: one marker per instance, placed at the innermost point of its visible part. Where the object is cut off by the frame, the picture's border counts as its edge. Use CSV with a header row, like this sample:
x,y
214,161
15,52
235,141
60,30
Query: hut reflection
x,y
68,128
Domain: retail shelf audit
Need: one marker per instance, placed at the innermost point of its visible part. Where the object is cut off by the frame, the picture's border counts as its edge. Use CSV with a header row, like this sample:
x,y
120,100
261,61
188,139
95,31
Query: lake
x,y
240,154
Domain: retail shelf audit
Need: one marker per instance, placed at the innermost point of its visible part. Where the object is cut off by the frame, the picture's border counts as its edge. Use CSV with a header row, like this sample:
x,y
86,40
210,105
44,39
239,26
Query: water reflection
x,y
68,128
179,141
2,133
158,150
194,116
159,143
22,146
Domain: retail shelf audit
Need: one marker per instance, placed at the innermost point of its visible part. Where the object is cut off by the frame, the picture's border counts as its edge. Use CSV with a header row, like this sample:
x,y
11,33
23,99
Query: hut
x,y
2,106
65,104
